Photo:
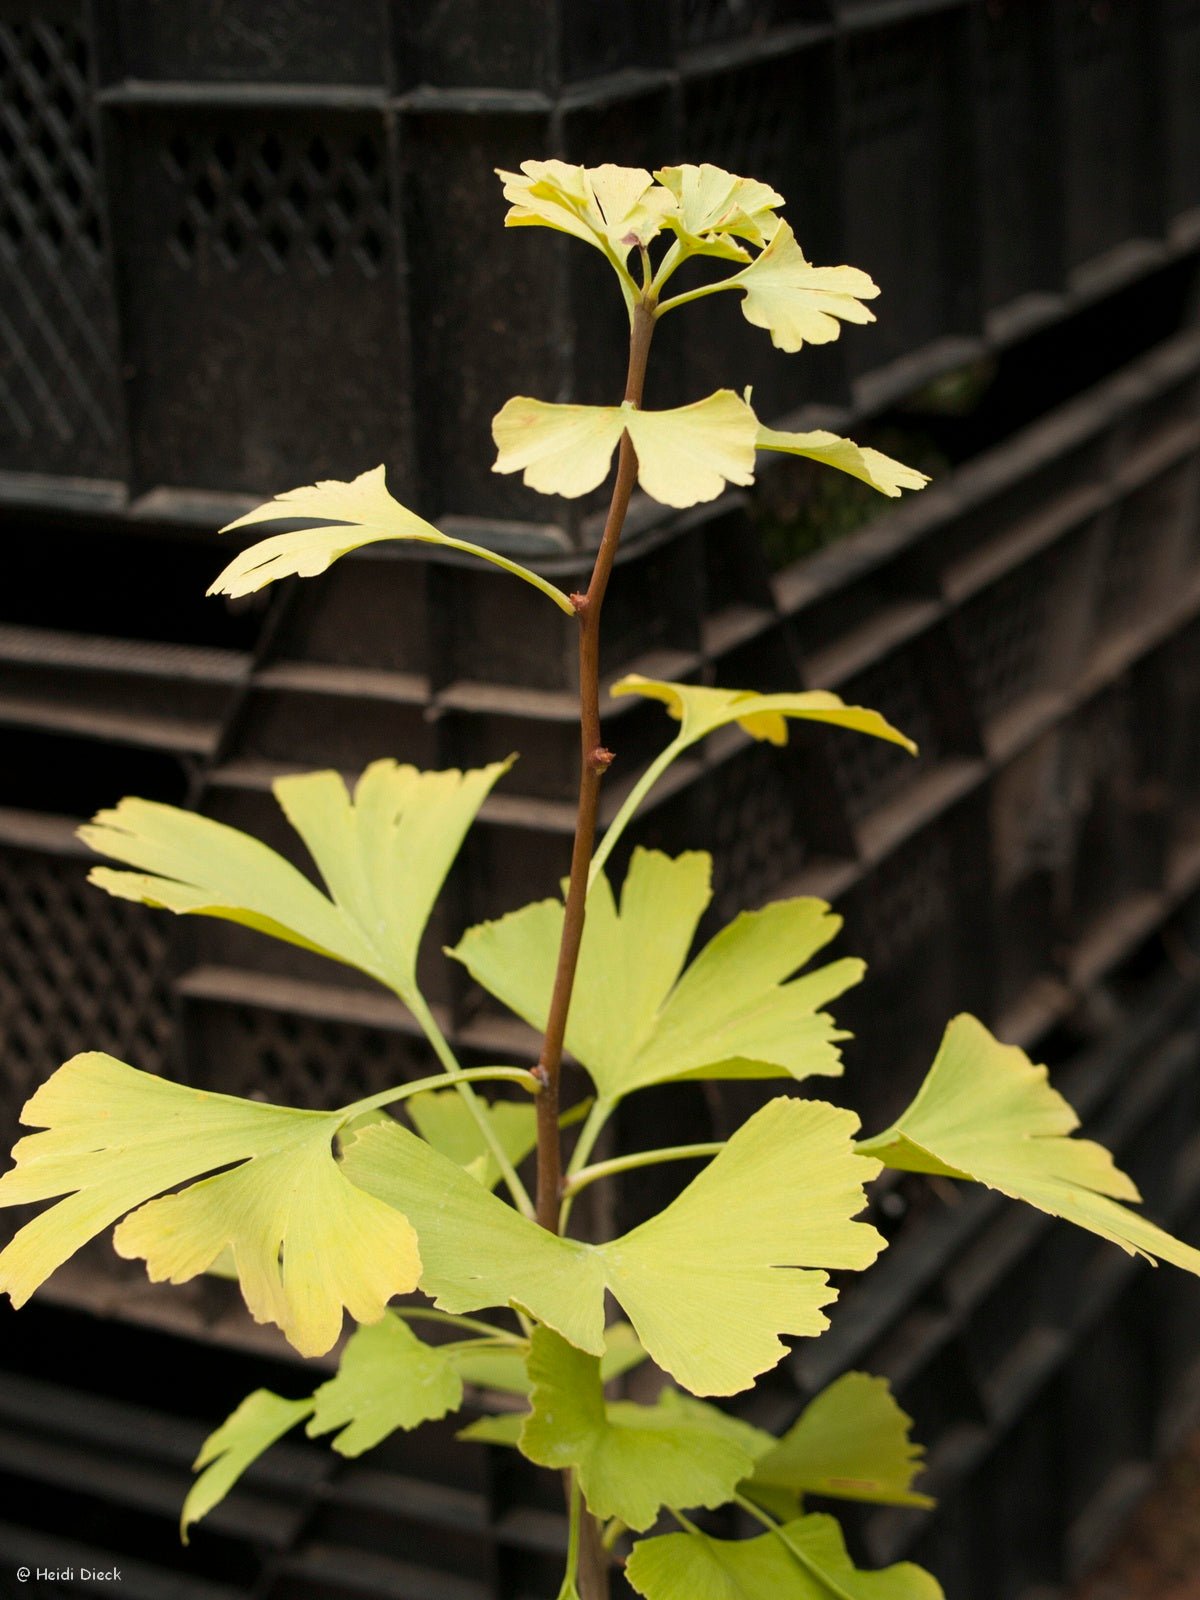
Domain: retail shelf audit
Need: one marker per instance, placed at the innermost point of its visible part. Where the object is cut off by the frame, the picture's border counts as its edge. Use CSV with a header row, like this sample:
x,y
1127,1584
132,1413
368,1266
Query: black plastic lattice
x,y
753,840
258,195
869,771
1004,634
57,373
299,1061
80,972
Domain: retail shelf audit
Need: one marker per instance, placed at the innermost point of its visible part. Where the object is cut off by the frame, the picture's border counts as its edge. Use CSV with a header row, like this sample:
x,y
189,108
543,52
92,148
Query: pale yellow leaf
x,y
860,461
354,514
796,302
685,455
613,208
701,711
688,455
712,205
560,449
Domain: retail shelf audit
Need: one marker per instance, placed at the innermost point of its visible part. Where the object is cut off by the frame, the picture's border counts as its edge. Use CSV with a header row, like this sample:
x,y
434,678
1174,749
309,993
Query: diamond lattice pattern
x,y
57,370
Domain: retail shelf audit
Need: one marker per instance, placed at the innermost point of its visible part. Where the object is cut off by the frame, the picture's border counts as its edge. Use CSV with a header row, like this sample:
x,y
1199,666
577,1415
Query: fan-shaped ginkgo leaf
x,y
709,1283
701,711
985,1112
851,1442
685,455
384,855
804,1560
613,208
260,1420
714,208
732,1014
796,302
387,1379
860,461
353,514
305,1241
631,1459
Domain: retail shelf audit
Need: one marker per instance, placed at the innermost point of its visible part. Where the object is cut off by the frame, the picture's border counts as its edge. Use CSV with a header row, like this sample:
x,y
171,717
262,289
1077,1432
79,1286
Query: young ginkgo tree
x,y
322,1213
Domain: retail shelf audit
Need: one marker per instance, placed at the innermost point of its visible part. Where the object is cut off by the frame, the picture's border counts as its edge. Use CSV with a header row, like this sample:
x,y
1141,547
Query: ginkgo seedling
x,y
407,1213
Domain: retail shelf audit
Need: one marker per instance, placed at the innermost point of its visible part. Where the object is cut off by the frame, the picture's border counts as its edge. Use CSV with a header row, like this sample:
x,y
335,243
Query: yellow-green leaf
x,y
737,1012
796,302
685,455
631,1459
860,461
387,1379
852,1443
613,208
476,1250
353,514
306,1242
260,1420
443,1119
805,1560
709,1283
712,205
701,711
985,1112
384,855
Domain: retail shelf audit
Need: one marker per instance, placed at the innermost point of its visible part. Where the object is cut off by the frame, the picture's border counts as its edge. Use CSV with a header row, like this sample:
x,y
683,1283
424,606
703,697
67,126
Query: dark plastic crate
x,y
60,409
227,252
1111,177
247,235
81,972
908,218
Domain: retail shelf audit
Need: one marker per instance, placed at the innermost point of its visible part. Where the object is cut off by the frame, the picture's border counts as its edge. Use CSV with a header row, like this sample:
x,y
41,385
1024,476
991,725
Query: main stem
x,y
594,760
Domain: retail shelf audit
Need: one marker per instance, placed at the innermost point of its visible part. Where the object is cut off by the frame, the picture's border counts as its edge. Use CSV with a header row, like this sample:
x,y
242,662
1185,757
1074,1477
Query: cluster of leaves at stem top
x,y
320,1213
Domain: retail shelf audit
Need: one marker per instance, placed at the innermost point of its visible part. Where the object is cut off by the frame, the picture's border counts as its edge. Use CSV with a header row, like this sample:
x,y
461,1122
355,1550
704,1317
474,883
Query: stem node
x,y
600,759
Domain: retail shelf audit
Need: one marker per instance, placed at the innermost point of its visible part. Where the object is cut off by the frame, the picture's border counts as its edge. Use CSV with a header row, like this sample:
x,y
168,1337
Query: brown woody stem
x,y
594,762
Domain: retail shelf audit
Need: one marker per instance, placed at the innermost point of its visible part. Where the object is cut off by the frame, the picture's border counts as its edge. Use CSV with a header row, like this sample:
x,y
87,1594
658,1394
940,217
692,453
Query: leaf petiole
x,y
441,1080
820,1574
592,1128
569,1591
697,294
453,1320
613,1530
672,258
642,1158
446,1056
632,801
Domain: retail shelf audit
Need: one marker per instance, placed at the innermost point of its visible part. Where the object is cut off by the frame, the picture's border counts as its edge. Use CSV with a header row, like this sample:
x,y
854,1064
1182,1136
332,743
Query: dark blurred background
x,y
246,245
